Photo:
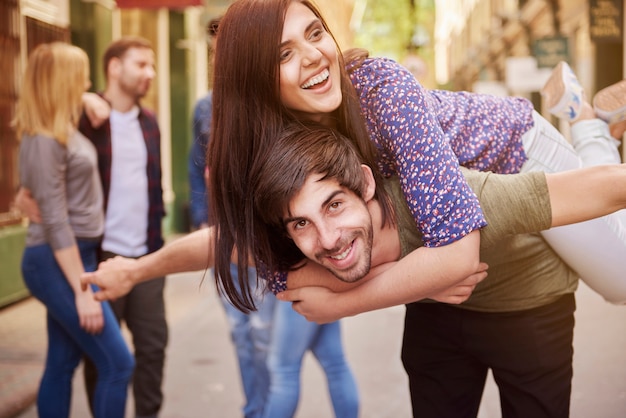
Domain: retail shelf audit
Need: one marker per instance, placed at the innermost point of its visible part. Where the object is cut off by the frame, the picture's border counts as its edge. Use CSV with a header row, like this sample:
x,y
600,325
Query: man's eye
x,y
299,225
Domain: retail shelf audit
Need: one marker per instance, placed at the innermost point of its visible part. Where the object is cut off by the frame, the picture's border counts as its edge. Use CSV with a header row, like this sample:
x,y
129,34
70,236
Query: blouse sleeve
x,y
401,118
45,170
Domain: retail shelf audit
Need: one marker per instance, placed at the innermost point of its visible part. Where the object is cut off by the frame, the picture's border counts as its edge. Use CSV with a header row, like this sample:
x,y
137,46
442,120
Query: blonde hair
x,y
50,101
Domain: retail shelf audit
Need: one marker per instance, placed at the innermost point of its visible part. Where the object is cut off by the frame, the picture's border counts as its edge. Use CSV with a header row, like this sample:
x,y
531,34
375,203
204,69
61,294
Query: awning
x,y
156,4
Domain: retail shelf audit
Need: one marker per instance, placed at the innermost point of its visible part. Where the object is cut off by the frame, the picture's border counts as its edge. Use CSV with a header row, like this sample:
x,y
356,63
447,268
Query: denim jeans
x,y
292,337
251,335
594,249
67,341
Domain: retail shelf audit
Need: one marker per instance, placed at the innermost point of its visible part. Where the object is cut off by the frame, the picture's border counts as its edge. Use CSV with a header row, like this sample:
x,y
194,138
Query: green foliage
x,y
388,26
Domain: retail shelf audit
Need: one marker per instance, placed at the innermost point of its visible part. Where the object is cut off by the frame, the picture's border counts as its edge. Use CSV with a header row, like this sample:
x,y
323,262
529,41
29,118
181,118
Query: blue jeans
x,y
251,335
293,335
67,341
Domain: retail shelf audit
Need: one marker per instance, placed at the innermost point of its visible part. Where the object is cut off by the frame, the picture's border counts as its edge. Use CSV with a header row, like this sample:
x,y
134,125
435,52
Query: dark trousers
x,y
143,311
447,352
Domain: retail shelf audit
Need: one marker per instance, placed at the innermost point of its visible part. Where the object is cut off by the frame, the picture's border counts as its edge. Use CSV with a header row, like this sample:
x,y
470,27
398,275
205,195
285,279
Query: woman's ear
x,y
369,183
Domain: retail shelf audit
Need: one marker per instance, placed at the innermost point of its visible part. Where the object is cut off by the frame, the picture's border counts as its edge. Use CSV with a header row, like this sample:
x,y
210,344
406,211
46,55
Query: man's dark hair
x,y
212,26
302,149
118,49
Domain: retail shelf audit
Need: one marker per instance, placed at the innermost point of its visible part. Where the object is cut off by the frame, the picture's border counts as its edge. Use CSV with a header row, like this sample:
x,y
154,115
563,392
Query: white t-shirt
x,y
126,218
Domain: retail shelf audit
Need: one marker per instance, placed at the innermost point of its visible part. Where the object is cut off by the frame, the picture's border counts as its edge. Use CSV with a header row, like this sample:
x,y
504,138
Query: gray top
x,y
64,182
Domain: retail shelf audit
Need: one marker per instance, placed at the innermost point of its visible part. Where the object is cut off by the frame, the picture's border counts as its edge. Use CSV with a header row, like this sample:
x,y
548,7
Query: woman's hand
x,y
89,312
315,303
461,292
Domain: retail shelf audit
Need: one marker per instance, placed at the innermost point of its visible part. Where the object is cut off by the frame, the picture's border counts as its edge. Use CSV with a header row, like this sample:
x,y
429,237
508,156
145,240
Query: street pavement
x,y
201,377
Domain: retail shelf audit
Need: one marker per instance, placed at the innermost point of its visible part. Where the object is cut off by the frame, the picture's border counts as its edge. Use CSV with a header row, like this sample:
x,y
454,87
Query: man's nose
x,y
328,236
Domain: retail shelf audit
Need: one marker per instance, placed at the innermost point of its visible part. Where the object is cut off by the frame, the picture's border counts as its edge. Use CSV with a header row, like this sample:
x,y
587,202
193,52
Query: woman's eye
x,y
284,55
317,33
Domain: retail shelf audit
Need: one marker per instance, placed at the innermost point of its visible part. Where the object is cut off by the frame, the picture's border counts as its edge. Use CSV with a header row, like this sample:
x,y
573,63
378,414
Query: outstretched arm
x,y
586,193
116,277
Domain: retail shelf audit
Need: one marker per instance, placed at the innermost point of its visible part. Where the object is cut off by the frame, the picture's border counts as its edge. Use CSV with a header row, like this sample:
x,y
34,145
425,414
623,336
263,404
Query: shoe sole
x,y
554,87
563,93
610,102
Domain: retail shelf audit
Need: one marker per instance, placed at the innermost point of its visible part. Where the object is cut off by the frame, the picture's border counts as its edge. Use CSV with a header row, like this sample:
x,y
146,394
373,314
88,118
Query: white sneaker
x,y
563,93
610,103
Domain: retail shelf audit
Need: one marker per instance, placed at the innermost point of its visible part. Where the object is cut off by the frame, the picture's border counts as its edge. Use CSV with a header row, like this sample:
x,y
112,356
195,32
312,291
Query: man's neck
x,y
386,242
120,101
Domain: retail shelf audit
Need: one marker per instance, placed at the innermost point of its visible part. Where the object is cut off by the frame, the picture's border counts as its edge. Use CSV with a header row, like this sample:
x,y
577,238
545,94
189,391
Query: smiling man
x,y
330,209
321,204
317,201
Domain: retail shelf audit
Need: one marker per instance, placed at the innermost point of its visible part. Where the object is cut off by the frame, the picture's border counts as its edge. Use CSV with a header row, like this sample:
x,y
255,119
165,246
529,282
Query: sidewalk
x,y
201,378
22,353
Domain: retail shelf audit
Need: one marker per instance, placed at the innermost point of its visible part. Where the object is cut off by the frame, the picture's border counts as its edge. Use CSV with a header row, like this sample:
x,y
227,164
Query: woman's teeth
x,y
323,76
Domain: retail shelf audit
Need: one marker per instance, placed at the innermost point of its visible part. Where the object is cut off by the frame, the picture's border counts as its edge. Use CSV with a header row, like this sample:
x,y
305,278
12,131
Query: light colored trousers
x,y
595,249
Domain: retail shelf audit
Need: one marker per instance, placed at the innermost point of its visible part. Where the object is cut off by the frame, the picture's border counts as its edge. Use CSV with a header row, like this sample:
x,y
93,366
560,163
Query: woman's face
x,y
310,83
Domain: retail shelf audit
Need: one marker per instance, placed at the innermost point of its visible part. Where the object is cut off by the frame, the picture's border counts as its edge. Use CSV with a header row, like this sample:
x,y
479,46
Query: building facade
x,y
510,45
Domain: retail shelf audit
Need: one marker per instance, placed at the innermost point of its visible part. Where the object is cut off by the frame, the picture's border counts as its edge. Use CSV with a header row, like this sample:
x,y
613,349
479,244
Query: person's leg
x,y
261,323
107,348
328,350
145,318
445,381
43,277
250,334
55,389
292,336
90,373
593,142
595,248
530,354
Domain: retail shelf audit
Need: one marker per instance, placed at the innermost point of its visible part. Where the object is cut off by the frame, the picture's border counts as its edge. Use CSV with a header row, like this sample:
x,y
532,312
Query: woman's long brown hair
x,y
247,116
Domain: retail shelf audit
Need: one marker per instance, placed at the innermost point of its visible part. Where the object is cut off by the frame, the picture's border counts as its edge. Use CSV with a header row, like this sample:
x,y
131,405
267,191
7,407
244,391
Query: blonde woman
x,y
59,166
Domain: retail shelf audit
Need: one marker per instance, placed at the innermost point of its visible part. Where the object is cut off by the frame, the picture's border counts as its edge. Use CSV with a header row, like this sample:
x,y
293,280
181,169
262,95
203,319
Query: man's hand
x,y
460,292
96,108
316,304
113,278
25,203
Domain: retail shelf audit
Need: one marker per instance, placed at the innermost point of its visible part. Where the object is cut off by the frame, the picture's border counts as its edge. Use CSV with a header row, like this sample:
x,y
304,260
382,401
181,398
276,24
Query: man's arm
x,y
96,109
25,203
536,201
586,193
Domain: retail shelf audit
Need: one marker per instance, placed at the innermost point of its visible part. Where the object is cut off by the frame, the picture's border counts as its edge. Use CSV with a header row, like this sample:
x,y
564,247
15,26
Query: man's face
x,y
332,226
136,72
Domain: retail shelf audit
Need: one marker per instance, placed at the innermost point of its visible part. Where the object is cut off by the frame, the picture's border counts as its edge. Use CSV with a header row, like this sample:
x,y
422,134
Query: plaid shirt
x,y
101,138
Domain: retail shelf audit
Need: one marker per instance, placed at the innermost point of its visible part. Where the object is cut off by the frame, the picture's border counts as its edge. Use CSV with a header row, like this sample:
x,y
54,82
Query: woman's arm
x,y
117,276
89,310
402,120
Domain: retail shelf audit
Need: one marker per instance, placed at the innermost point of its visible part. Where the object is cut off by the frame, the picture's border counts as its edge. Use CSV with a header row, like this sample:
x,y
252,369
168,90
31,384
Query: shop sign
x,y
550,51
606,20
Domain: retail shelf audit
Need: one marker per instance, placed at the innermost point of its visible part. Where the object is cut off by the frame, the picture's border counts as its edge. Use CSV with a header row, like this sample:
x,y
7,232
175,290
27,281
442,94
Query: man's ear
x,y
369,183
114,67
